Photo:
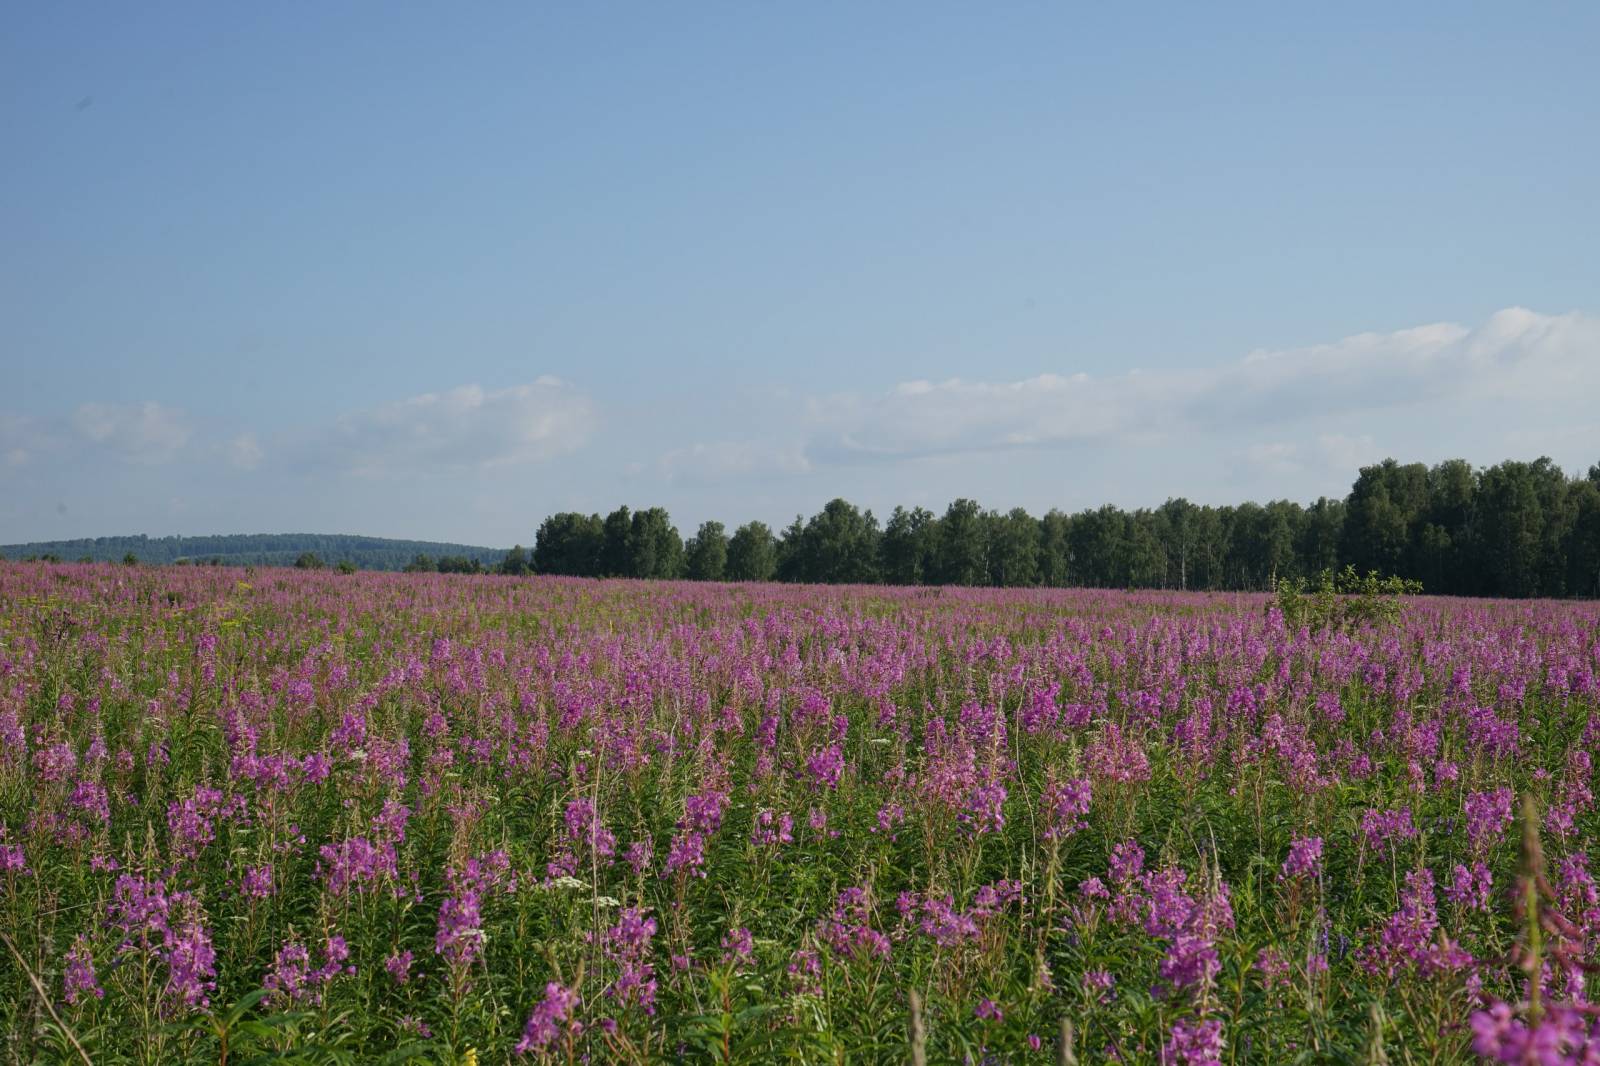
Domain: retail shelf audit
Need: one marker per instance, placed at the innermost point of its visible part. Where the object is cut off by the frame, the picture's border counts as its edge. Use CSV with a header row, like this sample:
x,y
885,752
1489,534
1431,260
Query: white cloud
x,y
1336,454
717,460
145,433
465,428
244,452
1278,457
1516,353
1347,454
137,433
18,440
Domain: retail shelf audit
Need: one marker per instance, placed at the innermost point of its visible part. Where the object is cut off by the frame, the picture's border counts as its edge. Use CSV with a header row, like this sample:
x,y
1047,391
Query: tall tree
x,y
1560,512
961,555
1179,531
1281,528
791,561
707,553
570,544
1210,548
752,553
1317,545
515,562
1511,517
616,546
1583,540
1097,547
1441,554
1385,505
656,548
839,545
907,546
1013,548
1055,548
1144,550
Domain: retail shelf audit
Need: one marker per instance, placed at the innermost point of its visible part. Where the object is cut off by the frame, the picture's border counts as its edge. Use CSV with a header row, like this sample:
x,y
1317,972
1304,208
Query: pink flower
x,y
80,979
545,1023
1304,861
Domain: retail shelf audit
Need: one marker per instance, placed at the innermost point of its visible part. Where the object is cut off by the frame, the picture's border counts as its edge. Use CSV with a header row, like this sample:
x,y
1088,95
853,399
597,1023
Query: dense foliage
x,y
1517,529
475,819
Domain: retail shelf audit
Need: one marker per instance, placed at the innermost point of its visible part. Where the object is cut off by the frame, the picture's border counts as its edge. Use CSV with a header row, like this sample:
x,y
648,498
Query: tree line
x,y
1514,529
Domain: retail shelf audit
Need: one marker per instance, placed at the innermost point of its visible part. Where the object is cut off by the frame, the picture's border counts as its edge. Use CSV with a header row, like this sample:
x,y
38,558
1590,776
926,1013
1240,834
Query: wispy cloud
x,y
717,460
1329,453
21,439
1517,352
146,433
245,452
137,433
1289,420
466,428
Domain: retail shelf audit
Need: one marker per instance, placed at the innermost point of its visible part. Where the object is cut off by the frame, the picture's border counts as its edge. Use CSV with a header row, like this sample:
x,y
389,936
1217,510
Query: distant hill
x,y
254,549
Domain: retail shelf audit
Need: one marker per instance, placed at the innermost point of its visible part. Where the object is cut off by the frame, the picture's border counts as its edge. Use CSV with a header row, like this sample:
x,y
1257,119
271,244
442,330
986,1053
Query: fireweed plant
x,y
360,818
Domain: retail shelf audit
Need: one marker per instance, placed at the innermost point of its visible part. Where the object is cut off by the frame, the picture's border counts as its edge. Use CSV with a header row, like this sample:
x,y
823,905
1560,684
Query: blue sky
x,y
434,271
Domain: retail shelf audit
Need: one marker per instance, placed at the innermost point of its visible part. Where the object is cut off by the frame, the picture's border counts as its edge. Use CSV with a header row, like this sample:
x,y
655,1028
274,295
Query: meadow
x,y
279,815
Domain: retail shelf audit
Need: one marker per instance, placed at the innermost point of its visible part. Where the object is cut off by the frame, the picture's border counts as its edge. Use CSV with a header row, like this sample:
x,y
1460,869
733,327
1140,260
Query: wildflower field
x,y
365,818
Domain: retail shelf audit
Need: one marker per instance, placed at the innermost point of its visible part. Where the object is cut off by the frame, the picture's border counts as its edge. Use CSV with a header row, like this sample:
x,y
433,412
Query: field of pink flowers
x,y
362,818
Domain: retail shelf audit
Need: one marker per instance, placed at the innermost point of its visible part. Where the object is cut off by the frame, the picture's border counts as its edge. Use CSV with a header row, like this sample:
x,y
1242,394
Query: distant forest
x,y
253,549
1515,529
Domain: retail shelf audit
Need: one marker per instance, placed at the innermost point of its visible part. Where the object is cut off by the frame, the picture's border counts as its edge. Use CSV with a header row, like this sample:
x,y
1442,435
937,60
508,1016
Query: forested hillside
x,y
253,549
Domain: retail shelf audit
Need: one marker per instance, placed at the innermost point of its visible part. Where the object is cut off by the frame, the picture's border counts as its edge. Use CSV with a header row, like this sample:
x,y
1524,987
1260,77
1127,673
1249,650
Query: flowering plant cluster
x,y
443,818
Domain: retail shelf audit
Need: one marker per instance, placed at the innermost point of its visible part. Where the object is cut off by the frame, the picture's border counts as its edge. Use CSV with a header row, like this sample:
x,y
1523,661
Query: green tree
x,y
907,546
1317,545
1282,521
616,547
961,552
1560,515
569,544
1583,540
1097,547
1178,529
752,553
1443,546
656,548
308,561
1208,570
1144,551
839,545
1055,548
516,561
1012,548
790,556
1511,519
707,553
1247,552
1384,512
